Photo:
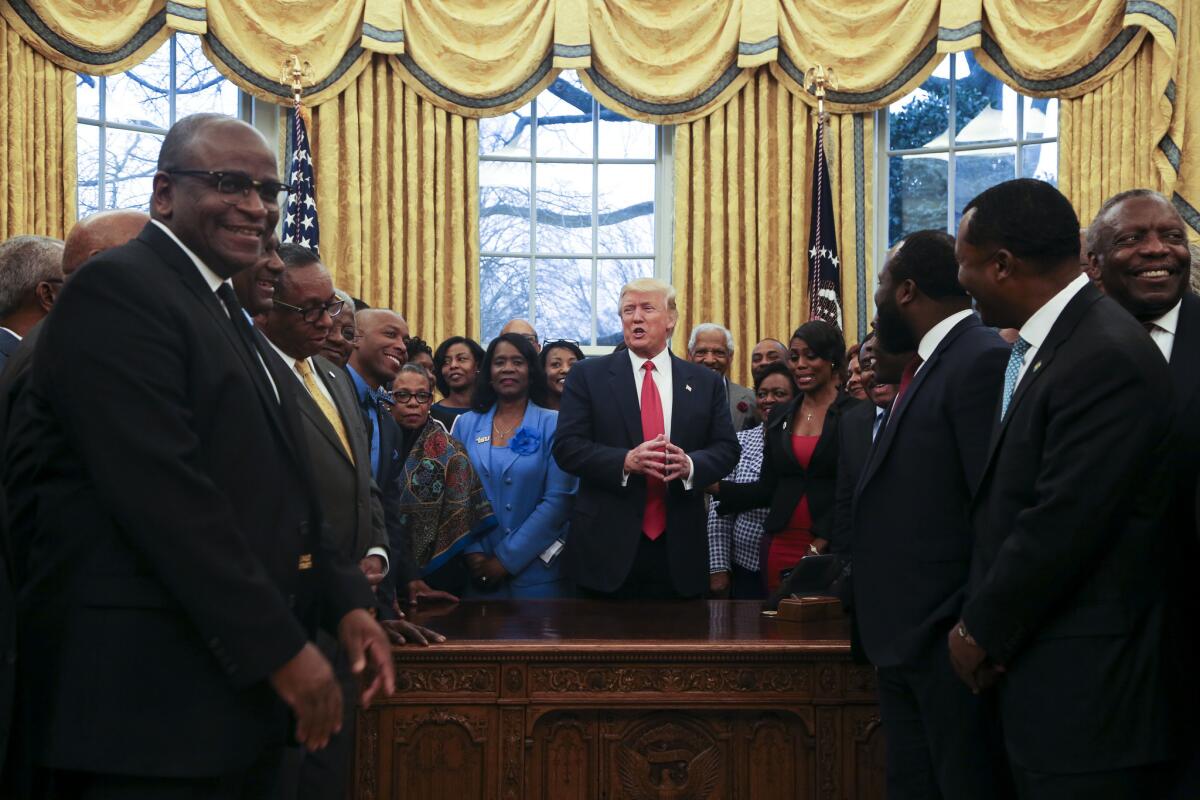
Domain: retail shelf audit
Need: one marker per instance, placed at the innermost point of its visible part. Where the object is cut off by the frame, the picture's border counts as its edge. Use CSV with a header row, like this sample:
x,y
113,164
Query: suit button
x,y
508,480
508,506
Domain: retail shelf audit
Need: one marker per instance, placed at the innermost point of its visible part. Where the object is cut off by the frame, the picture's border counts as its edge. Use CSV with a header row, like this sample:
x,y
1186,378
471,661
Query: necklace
x,y
501,433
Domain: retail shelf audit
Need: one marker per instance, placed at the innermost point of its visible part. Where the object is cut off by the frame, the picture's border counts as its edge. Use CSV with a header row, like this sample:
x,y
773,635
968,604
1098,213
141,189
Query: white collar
x,y
1170,320
933,337
15,335
1037,327
211,278
662,361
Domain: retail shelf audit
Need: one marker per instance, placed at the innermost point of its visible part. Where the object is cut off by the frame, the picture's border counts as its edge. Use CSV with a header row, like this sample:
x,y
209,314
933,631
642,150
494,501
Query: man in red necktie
x,y
642,428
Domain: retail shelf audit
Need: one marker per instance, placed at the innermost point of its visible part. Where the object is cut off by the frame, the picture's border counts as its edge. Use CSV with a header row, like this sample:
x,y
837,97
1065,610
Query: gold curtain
x,y
398,201
742,182
37,141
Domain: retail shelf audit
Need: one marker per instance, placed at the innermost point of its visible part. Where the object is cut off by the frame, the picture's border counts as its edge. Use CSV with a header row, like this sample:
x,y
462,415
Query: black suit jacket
x,y
1066,578
598,423
854,446
8,637
910,526
174,505
783,481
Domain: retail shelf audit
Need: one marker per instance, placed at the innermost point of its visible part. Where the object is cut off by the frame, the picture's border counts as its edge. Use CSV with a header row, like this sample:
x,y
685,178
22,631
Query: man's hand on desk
x,y
307,684
370,654
420,592
401,631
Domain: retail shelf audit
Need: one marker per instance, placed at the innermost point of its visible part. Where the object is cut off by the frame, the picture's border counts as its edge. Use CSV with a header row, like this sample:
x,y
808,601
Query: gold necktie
x,y
331,413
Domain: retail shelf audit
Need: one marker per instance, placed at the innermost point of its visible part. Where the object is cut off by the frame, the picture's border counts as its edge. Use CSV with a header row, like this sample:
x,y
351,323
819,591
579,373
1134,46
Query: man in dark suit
x,y
178,565
30,277
645,432
1064,606
1138,255
911,564
711,345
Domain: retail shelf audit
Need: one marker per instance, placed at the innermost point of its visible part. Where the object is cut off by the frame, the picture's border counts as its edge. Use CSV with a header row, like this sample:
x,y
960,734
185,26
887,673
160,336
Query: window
x,y
934,168
124,117
567,199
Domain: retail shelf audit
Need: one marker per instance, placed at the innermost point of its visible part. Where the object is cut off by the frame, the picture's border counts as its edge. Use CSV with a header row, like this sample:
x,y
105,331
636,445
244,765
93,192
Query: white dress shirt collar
x,y
15,335
662,362
1037,327
934,336
1163,332
211,278
1170,320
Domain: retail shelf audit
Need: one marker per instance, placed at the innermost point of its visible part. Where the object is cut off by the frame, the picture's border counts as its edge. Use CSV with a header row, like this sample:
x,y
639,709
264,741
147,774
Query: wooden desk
x,y
584,699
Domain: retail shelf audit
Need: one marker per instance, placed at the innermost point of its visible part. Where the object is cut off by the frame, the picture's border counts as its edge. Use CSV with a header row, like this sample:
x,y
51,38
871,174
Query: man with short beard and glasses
x,y
1138,255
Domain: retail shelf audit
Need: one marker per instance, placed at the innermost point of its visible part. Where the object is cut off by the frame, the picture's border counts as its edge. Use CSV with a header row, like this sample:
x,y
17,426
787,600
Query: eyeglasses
x,y
311,315
402,397
348,333
548,343
235,186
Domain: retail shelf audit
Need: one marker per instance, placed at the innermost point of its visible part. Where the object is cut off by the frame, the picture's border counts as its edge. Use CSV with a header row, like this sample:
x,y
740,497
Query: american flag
x,y
300,219
824,276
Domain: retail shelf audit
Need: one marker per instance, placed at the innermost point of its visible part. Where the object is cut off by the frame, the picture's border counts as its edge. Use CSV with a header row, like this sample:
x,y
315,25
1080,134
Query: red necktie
x,y
906,379
654,518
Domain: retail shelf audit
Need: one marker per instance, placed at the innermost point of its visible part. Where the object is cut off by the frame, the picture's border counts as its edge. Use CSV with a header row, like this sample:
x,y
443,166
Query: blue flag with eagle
x,y
824,277
300,218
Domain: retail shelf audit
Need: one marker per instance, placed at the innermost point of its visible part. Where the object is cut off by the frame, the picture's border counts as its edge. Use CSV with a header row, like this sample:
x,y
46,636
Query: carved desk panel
x,y
582,699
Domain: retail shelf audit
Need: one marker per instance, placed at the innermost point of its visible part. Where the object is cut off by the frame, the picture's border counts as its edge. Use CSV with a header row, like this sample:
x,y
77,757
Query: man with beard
x,y
1138,255
1064,607
910,564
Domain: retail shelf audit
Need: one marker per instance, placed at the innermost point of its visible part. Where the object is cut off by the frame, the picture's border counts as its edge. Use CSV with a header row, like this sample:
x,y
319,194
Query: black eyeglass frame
x,y
311,315
268,191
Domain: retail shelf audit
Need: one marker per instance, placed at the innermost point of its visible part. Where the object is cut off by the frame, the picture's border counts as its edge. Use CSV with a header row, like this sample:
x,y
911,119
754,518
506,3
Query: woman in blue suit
x,y
508,437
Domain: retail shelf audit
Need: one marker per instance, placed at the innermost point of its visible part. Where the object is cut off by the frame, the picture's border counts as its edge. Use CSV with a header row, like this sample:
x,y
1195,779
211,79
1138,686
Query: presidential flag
x,y
824,278
300,218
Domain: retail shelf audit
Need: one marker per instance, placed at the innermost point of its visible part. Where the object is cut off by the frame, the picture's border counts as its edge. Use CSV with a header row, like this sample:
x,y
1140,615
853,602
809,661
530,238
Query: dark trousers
x,y
747,584
942,741
1145,782
258,782
649,578
325,774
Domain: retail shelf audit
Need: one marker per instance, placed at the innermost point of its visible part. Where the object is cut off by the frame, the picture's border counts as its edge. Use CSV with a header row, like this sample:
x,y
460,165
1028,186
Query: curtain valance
x,y
658,61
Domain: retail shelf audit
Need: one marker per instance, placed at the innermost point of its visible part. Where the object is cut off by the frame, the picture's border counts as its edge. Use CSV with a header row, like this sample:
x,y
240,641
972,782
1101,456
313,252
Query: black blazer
x,y
174,506
854,446
782,481
1066,580
910,528
598,423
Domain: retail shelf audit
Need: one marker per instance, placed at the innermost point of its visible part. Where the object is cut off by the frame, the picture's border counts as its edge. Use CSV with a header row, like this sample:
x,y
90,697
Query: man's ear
x,y
1092,270
162,198
1005,263
906,292
45,294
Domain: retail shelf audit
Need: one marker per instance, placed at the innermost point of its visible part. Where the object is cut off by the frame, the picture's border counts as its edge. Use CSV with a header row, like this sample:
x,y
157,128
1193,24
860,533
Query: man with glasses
x,y
523,329
343,336
30,276
178,565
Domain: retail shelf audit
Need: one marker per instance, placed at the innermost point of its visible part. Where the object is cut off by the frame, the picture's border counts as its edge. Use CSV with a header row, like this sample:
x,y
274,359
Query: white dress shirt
x,y
1163,332
666,392
1037,327
933,337
213,280
291,362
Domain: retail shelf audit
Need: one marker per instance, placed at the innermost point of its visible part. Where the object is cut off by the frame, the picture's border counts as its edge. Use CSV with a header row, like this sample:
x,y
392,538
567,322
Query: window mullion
x,y
595,264
102,153
951,140
533,137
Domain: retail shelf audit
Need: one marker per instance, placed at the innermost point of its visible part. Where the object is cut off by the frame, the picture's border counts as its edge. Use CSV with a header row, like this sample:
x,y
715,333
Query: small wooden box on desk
x,y
584,699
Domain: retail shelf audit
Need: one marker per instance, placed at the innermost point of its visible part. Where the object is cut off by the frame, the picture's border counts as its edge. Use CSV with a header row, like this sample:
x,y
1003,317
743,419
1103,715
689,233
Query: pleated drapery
x,y
398,201
37,141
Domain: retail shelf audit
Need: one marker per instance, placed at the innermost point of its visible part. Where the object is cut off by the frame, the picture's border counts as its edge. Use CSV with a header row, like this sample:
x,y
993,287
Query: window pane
x,y
563,291
611,275
1041,118
916,194
564,208
564,119
985,108
503,293
129,173
626,209
504,206
199,87
977,170
87,96
1040,161
921,118
621,137
140,95
507,135
87,165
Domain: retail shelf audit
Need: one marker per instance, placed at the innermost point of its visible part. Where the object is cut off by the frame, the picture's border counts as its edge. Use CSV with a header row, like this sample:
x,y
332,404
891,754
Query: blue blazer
x,y
530,495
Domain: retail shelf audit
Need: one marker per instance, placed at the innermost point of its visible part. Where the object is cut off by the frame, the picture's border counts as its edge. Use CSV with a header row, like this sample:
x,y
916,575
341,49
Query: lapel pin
x,y
1037,365
687,386
482,439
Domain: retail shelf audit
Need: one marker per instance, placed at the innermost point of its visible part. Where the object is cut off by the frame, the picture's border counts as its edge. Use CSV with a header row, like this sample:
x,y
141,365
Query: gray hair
x,y
417,369
710,327
1096,229
26,261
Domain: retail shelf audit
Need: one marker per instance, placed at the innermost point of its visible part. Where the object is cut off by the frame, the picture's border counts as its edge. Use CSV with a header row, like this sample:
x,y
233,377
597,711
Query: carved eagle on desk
x,y
668,774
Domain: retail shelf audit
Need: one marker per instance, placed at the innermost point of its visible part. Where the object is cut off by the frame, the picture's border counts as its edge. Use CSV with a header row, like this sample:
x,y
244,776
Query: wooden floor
x,y
584,699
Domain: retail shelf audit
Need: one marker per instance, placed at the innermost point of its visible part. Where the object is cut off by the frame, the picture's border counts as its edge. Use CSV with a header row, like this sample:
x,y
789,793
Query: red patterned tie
x,y
909,371
654,518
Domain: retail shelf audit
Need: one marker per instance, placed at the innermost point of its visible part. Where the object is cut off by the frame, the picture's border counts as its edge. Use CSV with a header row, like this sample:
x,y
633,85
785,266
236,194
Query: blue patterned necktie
x,y
1012,371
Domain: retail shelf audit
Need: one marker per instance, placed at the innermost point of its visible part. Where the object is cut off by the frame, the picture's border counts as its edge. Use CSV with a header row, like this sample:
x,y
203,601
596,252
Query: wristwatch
x,y
961,630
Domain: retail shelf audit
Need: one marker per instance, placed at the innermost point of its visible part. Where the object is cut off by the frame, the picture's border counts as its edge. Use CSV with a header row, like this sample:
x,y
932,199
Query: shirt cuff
x,y
624,478
687,482
379,551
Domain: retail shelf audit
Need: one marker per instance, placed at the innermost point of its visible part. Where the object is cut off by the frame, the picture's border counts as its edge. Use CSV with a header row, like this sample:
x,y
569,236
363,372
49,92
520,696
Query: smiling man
x,y
255,287
642,429
1138,254
711,345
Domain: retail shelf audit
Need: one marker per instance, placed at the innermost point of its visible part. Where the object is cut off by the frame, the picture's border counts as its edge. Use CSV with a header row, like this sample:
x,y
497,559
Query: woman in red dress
x,y
799,472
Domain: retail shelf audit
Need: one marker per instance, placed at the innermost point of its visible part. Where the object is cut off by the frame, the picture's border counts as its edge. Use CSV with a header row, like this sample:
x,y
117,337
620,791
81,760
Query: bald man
x,y
522,327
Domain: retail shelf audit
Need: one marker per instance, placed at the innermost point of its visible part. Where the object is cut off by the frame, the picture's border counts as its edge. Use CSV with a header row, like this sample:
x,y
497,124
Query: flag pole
x,y
300,216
